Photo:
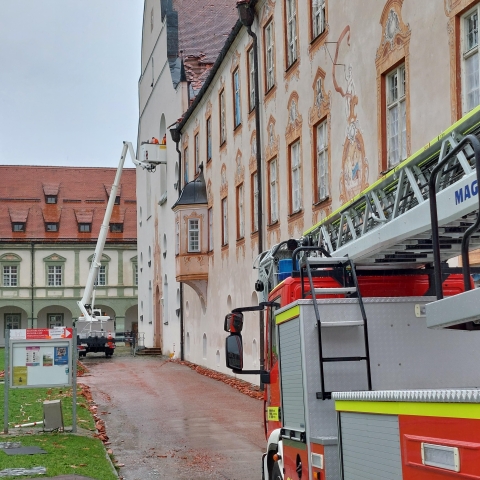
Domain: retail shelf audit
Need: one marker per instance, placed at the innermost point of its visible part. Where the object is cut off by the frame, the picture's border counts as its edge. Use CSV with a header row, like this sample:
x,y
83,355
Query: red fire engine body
x,y
371,356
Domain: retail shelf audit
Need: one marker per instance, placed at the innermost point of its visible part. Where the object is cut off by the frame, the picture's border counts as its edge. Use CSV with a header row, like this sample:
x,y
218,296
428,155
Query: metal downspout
x,y
32,281
259,182
176,139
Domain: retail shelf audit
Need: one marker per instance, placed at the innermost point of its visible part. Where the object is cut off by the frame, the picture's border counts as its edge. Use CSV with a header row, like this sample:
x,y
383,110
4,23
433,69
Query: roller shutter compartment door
x,y
370,447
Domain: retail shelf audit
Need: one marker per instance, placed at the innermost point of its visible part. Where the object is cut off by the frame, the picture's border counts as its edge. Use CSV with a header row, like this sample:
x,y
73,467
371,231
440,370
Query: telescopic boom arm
x,y
86,303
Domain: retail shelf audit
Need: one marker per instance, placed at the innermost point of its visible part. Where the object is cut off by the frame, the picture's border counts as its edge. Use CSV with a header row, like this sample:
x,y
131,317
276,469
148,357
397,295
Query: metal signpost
x,y
40,357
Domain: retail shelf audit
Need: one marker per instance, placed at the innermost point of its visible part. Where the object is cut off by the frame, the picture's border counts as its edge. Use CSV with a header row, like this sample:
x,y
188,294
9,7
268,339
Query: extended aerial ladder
x,y
388,224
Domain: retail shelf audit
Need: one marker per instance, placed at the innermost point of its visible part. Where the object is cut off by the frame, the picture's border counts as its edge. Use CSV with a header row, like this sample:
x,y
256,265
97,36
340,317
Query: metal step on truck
x,y
370,367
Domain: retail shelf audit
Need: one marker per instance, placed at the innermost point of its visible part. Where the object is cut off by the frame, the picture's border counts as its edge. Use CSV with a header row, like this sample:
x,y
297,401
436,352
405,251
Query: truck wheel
x,y
276,472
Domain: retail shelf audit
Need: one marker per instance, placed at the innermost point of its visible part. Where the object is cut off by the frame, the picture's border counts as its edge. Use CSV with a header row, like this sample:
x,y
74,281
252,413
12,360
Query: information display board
x,y
41,358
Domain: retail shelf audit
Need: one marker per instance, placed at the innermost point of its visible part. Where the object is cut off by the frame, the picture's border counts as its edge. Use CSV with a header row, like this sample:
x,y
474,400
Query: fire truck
x,y
371,351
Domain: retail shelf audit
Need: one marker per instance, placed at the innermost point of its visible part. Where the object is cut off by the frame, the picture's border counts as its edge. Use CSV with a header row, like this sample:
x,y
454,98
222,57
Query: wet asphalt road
x,y
166,421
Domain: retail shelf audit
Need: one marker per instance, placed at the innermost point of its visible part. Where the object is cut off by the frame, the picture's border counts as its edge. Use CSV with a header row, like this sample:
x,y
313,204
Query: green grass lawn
x,y
67,453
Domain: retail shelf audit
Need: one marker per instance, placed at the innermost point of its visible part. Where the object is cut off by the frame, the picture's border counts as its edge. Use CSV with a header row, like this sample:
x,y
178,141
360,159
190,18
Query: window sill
x,y
291,66
273,224
268,95
321,202
237,129
296,213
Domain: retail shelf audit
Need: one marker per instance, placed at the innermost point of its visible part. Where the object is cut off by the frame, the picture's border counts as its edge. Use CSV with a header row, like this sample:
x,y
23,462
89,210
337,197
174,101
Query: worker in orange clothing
x,y
164,139
154,140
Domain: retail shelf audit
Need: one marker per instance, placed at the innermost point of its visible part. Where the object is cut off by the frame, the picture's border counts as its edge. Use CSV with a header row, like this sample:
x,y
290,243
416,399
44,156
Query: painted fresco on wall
x,y
354,173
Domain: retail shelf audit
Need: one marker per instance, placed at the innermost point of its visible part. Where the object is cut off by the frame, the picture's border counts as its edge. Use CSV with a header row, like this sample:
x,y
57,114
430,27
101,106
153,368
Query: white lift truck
x,y
96,332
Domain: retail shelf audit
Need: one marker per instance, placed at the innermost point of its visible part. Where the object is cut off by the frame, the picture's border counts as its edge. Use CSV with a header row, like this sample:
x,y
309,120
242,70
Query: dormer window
x,y
51,198
51,227
116,227
84,227
117,200
18,226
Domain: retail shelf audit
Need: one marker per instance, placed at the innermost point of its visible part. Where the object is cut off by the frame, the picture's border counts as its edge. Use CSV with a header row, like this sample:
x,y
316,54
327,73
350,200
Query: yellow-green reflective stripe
x,y
287,314
452,410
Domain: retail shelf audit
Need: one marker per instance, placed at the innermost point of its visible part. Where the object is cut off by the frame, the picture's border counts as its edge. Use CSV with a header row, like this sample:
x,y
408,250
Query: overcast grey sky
x,y
69,71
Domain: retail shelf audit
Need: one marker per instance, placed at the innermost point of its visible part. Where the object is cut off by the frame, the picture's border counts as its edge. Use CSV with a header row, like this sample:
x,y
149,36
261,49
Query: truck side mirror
x,y
234,351
233,322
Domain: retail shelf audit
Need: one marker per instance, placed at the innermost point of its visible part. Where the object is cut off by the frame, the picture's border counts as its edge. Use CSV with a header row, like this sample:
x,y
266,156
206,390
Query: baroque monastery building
x,y
346,91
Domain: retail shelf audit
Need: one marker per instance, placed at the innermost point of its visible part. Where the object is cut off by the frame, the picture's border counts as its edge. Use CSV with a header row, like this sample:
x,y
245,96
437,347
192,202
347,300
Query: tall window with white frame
x,y
318,17
223,126
291,8
185,165
135,274
321,140
209,139
269,56
55,320
254,191
193,235
210,229
295,178
273,190
251,80
225,221
240,213
471,71
55,275
196,141
10,276
237,117
102,276
396,116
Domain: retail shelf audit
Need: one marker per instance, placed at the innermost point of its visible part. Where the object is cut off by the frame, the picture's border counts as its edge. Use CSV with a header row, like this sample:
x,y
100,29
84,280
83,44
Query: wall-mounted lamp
x,y
245,12
175,134
165,323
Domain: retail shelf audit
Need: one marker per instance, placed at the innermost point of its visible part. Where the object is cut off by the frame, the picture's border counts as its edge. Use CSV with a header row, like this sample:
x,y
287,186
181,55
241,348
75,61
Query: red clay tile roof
x,y
203,27
80,195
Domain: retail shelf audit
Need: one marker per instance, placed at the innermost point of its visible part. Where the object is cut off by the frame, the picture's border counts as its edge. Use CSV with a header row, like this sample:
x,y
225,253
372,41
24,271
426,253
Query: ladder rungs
x,y
346,323
325,260
344,359
343,290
